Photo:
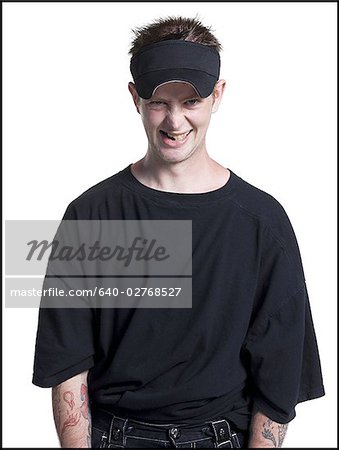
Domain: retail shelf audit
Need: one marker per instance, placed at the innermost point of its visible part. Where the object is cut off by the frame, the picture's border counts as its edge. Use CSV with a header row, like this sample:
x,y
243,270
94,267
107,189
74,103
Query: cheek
x,y
201,122
153,119
200,118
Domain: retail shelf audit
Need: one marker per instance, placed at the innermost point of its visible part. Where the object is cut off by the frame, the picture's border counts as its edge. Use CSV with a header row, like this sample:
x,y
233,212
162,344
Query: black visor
x,y
175,60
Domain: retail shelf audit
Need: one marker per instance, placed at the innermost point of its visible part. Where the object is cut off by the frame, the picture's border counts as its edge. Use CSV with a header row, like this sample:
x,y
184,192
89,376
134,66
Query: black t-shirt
x,y
248,338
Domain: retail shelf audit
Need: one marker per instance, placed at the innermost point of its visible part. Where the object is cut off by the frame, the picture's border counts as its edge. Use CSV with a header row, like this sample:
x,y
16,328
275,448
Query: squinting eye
x,y
156,103
192,102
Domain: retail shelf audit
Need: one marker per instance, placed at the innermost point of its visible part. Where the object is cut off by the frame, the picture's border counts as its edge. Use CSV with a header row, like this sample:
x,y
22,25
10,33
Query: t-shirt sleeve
x,y
281,350
64,340
64,345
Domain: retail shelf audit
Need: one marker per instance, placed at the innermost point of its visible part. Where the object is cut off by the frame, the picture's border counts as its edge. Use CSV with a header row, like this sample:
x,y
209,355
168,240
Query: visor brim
x,y
202,82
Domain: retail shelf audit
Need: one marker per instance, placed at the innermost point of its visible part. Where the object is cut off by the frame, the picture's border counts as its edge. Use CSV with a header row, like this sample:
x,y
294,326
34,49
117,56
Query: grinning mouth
x,y
179,137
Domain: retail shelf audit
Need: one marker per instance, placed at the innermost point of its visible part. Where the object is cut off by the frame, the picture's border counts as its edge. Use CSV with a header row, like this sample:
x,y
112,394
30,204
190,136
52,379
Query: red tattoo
x,y
71,421
69,398
84,398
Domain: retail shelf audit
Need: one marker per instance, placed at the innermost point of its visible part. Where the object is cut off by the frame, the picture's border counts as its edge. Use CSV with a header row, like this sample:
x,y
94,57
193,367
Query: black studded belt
x,y
110,431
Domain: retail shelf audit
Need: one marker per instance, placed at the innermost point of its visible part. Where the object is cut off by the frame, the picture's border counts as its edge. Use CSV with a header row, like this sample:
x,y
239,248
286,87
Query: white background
x,y
69,122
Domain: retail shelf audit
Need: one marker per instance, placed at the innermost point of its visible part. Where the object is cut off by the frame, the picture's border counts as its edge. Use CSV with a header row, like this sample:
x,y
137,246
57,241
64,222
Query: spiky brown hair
x,y
171,27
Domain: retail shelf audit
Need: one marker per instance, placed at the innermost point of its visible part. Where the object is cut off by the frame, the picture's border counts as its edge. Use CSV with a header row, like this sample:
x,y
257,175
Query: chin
x,y
172,158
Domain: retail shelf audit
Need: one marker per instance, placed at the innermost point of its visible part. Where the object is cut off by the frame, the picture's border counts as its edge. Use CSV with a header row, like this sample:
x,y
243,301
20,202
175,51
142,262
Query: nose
x,y
175,119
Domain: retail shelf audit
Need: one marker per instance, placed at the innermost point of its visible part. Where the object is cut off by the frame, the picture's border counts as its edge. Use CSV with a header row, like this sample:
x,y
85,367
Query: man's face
x,y
176,120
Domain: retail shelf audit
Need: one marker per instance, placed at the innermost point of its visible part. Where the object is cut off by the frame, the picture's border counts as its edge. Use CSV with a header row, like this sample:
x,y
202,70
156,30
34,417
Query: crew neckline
x,y
187,198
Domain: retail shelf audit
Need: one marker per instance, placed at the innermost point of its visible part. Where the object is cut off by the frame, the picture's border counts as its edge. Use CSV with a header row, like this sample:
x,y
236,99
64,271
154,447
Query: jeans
x,y
110,431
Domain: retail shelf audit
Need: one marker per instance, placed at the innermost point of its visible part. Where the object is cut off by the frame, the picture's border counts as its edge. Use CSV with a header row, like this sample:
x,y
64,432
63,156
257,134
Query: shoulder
x,y
95,195
264,208
280,251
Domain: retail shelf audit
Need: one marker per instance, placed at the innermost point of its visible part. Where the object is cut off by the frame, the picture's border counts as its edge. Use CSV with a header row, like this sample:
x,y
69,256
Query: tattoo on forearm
x,y
71,421
69,398
84,398
267,433
73,418
85,411
73,413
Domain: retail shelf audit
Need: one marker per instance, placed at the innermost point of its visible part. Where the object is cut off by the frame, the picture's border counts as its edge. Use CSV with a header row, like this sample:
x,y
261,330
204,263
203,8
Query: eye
x,y
192,102
156,102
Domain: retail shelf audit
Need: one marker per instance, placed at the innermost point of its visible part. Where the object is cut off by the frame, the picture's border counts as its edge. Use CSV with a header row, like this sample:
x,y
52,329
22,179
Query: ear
x,y
218,92
135,96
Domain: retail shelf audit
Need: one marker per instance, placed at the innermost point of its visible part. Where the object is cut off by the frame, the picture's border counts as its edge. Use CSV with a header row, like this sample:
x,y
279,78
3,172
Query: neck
x,y
193,175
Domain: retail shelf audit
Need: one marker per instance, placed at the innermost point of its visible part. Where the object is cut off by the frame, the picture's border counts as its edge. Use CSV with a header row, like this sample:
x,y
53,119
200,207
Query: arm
x,y
265,433
71,412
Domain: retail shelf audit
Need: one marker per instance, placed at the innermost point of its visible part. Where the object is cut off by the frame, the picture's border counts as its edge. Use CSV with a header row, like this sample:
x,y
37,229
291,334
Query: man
x,y
229,370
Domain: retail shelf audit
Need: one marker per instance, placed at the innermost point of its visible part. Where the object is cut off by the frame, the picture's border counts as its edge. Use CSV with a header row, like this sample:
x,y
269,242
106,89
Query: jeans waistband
x,y
119,428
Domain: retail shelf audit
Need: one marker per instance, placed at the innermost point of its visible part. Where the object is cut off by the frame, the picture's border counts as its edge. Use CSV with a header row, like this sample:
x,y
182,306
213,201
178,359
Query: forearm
x,y
71,412
265,433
